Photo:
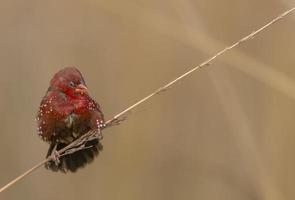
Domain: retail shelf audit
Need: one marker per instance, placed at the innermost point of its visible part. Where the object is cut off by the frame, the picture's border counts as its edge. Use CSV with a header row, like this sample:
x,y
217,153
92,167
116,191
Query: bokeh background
x,y
225,132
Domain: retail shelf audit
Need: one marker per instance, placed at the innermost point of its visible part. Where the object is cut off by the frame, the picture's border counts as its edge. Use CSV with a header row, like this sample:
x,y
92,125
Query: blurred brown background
x,y
226,132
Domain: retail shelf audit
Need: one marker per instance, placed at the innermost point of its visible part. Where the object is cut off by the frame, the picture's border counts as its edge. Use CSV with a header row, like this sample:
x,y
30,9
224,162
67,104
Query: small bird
x,y
67,112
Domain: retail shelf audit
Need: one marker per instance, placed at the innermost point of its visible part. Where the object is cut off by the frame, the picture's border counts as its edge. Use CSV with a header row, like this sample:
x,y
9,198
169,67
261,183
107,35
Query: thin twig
x,y
76,145
23,175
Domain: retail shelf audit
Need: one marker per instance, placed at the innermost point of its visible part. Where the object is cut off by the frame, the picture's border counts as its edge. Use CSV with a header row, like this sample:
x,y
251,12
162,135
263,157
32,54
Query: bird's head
x,y
69,81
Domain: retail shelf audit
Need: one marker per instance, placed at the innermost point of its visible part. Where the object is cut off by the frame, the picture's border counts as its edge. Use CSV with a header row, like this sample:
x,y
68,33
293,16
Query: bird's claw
x,y
55,157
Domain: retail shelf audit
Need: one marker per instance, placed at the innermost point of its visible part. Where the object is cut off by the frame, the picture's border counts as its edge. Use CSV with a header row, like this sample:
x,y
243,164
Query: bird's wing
x,y
51,114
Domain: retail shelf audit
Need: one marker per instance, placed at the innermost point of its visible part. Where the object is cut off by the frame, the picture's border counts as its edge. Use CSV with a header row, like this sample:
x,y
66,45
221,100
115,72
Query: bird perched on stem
x,y
67,112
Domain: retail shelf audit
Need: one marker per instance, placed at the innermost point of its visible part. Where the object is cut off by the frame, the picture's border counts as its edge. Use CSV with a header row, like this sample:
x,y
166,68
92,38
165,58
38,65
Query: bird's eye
x,y
72,84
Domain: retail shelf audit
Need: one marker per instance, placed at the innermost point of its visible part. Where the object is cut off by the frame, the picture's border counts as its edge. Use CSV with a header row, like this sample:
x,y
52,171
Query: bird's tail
x,y
71,162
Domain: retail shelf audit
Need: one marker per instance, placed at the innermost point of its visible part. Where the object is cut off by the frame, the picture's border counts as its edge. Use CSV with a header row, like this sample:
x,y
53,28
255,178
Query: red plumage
x,y
66,112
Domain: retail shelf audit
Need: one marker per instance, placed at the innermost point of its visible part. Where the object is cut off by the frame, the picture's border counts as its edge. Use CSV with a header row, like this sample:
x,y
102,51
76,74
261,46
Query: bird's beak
x,y
81,89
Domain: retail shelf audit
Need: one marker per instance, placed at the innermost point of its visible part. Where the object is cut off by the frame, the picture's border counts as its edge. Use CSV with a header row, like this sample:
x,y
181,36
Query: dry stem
x,y
78,144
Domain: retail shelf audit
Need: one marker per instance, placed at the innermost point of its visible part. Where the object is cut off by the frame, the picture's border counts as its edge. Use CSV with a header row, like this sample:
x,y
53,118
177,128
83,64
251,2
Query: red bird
x,y
66,112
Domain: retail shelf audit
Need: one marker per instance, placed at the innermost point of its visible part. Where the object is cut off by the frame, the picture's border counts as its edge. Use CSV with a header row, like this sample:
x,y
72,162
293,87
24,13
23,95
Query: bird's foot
x,y
55,157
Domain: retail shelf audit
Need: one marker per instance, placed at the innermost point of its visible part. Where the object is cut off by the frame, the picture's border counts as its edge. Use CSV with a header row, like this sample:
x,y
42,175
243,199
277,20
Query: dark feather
x,y
78,159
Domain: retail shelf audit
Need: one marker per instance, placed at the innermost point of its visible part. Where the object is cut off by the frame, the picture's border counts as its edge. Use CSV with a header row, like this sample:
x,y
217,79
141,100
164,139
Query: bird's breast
x,y
74,126
69,120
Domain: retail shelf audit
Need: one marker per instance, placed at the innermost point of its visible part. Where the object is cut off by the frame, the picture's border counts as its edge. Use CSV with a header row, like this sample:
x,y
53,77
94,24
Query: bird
x,y
67,112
